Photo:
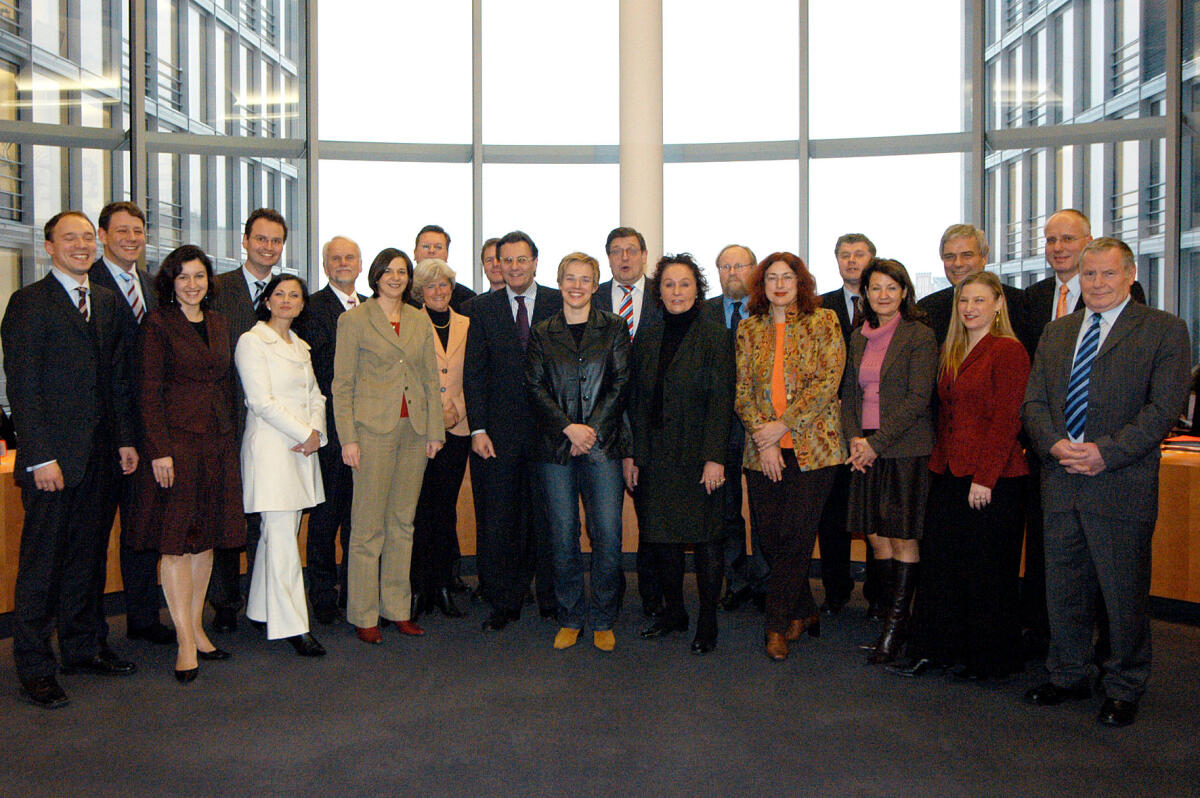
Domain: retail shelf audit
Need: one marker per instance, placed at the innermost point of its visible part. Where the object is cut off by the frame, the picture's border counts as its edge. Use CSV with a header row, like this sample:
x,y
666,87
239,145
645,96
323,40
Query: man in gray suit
x,y
1107,384
237,298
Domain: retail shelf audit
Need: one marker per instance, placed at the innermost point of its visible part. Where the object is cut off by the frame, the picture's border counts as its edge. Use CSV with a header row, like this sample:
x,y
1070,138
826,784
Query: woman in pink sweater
x,y
887,417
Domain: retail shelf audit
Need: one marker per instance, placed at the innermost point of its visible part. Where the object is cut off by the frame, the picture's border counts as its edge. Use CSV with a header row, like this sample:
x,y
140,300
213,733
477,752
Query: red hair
x,y
806,287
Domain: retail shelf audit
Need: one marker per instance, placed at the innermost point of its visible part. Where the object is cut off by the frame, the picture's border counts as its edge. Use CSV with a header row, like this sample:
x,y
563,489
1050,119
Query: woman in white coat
x,y
285,425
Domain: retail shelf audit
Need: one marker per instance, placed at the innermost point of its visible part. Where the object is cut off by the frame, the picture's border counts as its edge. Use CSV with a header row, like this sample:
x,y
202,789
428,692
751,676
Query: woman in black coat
x,y
681,406
577,374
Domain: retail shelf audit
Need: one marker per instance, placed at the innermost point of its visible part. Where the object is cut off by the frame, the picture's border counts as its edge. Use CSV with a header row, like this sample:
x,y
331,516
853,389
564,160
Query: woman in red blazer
x,y
966,607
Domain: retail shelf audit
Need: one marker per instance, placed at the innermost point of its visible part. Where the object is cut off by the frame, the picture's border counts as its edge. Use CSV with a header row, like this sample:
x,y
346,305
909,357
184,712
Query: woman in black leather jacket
x,y
576,374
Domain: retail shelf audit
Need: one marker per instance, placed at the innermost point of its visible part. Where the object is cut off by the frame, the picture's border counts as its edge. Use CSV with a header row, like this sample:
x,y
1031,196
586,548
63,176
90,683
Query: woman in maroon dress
x,y
190,489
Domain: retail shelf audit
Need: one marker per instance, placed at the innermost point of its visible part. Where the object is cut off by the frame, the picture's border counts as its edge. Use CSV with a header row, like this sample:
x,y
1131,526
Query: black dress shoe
x,y
325,614
1051,695
500,619
225,620
1117,713
183,677
759,600
457,585
967,673
663,626
216,655
916,666
704,644
259,625
306,645
548,611
444,600
153,633
44,692
103,664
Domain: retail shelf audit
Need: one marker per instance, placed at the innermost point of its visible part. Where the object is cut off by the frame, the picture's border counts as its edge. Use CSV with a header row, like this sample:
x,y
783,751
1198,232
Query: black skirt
x,y
889,499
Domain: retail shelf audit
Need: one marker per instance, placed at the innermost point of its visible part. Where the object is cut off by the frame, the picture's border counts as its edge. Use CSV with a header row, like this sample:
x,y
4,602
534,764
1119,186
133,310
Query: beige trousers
x,y
386,488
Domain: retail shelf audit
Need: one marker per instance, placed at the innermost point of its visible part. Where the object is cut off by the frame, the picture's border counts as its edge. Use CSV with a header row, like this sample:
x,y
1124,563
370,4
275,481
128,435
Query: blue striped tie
x,y
1081,374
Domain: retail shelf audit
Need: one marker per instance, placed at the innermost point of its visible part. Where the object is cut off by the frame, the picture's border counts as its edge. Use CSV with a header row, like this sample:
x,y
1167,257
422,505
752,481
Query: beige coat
x,y
283,407
373,367
450,369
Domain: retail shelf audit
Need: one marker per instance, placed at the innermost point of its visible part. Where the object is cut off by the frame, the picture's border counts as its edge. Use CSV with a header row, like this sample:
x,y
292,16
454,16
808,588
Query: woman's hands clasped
x,y
309,445
862,456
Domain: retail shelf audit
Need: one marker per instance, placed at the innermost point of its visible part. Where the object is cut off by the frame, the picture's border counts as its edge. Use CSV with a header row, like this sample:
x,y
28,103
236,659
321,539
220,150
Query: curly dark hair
x,y
682,259
172,265
806,287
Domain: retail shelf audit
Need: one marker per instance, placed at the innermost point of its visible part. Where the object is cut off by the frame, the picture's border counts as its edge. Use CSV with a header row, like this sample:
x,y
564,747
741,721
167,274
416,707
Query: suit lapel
x,y
379,322
893,351
1126,322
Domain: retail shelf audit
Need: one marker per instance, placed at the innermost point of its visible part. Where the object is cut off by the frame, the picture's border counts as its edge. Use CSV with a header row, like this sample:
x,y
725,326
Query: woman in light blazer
x,y
285,425
435,526
887,417
386,403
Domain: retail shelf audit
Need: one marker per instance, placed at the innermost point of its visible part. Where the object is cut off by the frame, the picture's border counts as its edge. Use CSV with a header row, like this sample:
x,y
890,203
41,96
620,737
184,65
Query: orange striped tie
x,y
1061,310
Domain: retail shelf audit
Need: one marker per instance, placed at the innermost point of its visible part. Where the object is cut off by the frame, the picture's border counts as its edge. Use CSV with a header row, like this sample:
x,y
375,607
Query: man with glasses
x,y
854,252
747,572
434,242
626,295
513,537
238,295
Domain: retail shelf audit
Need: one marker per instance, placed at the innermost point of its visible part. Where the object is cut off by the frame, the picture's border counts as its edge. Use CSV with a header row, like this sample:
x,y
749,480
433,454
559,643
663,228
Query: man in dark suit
x,y
123,234
65,344
1067,232
317,325
627,294
434,242
747,572
854,252
1107,384
964,251
237,298
513,540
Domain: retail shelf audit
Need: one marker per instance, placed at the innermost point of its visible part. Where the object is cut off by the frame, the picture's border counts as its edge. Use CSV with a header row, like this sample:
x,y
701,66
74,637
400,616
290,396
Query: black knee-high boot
x,y
668,567
709,574
895,627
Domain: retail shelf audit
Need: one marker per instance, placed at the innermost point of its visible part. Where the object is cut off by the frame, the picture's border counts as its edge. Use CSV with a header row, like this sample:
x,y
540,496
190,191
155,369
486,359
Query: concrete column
x,y
641,121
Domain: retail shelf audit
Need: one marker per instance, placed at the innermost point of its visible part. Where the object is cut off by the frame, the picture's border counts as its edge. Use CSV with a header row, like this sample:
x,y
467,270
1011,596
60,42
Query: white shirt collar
x,y
344,297
70,283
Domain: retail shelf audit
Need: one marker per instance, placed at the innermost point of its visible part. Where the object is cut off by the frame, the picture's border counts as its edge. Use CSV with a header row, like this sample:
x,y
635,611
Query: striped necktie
x,y
259,285
1075,408
1061,310
625,311
131,295
83,306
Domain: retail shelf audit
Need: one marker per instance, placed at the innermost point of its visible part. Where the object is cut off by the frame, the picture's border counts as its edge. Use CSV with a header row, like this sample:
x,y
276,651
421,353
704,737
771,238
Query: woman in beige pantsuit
x,y
387,407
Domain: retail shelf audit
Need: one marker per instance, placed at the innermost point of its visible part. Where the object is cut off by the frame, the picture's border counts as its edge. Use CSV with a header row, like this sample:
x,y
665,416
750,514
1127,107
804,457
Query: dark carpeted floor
x,y
461,712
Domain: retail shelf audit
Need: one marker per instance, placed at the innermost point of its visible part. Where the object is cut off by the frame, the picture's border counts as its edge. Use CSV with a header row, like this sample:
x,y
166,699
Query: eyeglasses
x,y
733,267
261,240
629,252
523,260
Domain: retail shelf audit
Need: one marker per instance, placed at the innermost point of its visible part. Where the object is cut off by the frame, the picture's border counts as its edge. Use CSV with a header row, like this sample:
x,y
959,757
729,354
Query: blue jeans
x,y
602,488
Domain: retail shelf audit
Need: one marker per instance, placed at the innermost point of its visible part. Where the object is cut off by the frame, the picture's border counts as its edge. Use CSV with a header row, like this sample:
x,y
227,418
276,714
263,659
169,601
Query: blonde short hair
x,y
429,271
579,257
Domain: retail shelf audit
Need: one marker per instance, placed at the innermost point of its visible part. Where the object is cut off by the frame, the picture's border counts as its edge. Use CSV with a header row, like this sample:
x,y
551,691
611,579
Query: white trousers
x,y
277,586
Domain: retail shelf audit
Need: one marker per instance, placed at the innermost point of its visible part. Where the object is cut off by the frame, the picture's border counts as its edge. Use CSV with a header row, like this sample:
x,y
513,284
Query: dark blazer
x,y
1139,383
584,383
177,370
459,295
100,275
906,383
697,414
233,301
1041,299
494,367
652,309
317,325
979,417
836,301
939,307
68,379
